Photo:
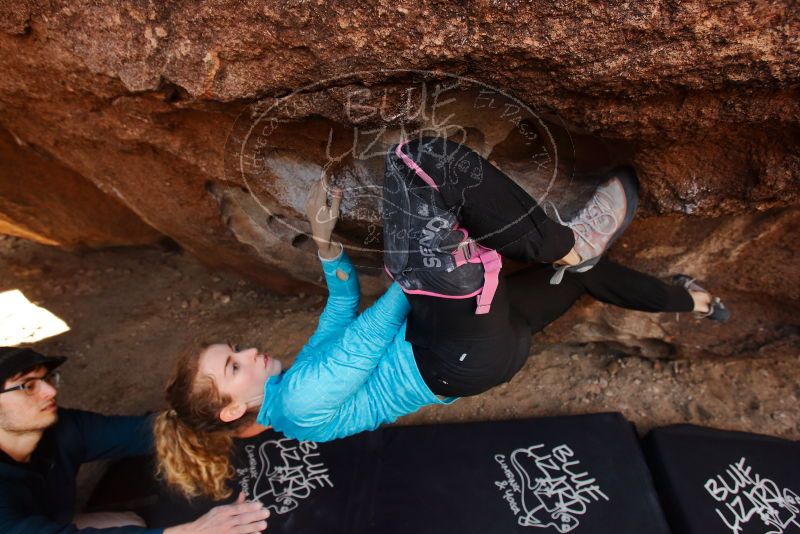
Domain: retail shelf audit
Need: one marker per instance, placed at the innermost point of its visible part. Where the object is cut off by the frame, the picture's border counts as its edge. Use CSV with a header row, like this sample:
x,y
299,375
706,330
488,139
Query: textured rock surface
x,y
44,201
139,99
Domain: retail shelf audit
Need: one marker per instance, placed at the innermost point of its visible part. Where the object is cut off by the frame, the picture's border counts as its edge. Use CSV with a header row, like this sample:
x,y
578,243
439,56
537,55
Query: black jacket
x,y
39,496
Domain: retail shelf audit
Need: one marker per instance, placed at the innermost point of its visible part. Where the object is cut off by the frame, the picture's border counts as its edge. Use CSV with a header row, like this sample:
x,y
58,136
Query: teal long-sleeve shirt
x,y
355,373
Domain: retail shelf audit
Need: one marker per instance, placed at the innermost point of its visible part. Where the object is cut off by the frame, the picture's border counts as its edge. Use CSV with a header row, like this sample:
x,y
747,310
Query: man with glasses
x,y
42,447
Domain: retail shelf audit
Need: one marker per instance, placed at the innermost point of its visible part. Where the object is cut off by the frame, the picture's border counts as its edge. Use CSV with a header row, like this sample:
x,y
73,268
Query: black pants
x,y
460,353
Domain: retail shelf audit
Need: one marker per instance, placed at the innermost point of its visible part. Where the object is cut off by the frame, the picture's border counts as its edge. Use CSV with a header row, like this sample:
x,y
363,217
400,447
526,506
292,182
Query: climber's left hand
x,y
322,216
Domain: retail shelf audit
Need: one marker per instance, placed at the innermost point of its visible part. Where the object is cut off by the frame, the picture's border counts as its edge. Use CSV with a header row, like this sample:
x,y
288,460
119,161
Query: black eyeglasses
x,y
32,385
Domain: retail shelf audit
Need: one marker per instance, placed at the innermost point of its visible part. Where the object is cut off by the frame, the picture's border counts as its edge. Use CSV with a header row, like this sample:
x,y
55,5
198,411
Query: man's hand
x,y
323,217
237,518
108,520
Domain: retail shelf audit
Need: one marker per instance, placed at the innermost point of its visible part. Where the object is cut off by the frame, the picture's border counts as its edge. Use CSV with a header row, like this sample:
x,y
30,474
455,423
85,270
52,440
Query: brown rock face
x,y
188,115
44,201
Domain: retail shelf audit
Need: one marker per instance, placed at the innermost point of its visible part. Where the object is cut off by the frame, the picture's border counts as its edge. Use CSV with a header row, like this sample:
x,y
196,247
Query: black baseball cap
x,y
16,360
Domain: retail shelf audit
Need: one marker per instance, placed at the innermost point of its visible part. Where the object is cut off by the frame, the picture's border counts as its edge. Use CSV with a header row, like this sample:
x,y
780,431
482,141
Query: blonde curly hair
x,y
193,445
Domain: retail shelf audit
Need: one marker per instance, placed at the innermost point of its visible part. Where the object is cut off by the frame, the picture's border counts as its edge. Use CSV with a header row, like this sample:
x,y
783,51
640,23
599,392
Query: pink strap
x,y
471,252
417,169
492,263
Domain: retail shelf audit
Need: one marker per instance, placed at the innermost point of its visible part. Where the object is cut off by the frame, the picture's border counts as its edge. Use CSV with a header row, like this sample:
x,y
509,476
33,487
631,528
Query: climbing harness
x,y
426,251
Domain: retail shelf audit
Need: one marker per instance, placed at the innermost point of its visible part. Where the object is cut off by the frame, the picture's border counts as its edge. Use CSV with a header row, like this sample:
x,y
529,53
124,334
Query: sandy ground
x,y
130,310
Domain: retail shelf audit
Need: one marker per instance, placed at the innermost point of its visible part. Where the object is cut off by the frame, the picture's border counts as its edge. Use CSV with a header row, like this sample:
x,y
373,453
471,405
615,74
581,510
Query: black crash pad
x,y
721,482
582,474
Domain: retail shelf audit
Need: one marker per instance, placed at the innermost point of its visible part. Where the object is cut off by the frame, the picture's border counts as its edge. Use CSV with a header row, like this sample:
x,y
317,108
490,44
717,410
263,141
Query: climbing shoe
x,y
716,309
602,220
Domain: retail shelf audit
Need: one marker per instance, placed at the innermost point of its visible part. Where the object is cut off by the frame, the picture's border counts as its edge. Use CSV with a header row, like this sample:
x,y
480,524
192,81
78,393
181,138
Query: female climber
x,y
447,327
